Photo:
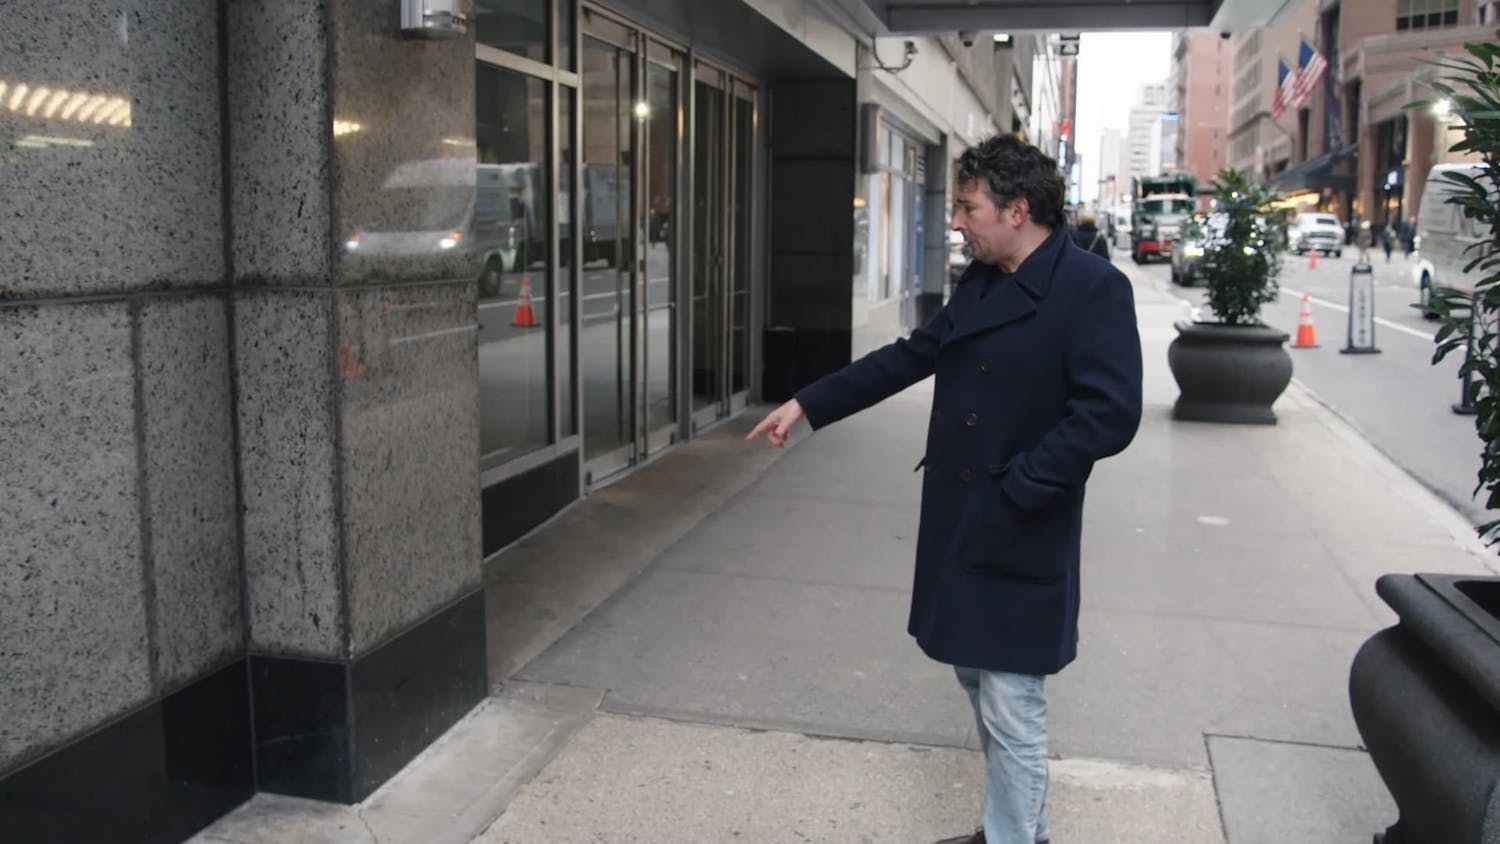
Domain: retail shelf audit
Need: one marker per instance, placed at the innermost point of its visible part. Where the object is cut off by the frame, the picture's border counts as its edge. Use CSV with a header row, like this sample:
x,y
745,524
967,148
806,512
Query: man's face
x,y
987,229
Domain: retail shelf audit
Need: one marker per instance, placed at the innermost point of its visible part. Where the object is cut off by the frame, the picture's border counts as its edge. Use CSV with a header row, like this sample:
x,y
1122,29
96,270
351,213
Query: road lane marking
x,y
433,335
1344,309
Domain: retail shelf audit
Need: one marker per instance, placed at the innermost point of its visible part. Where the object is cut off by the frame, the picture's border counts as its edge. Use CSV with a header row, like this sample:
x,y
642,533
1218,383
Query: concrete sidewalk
x,y
714,649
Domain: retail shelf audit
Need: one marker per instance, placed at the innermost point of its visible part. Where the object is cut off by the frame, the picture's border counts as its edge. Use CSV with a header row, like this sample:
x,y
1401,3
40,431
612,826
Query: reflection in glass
x,y
708,161
661,276
515,26
422,214
739,282
896,240
509,229
567,29
608,78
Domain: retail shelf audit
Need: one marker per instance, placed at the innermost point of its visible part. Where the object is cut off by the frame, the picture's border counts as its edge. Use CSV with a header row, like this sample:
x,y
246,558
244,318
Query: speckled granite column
x,y
121,633
236,466
358,393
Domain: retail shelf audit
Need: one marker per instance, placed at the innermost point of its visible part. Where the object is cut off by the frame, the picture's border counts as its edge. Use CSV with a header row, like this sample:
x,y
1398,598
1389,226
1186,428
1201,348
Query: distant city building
x,y
1143,136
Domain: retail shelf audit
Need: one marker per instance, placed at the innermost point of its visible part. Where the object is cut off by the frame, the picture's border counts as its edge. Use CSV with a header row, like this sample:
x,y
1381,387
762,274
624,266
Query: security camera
x,y
967,37
1225,34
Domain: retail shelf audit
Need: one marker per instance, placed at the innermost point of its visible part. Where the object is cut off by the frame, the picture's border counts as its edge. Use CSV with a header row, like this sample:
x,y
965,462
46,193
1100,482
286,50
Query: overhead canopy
x,y
1317,174
927,17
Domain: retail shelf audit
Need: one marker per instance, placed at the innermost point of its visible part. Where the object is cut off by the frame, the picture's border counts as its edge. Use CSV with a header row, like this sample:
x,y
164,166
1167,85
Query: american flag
x,y
1310,68
1285,80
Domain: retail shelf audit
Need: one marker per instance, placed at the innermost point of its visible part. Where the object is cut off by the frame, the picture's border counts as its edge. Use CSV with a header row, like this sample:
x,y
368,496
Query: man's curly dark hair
x,y
1010,169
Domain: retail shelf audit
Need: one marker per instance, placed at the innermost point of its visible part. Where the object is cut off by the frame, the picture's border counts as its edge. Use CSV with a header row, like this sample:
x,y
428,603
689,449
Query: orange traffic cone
x,y
1312,259
525,317
1307,336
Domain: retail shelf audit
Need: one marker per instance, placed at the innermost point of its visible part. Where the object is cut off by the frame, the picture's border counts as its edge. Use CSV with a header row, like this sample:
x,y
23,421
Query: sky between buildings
x,y
1112,67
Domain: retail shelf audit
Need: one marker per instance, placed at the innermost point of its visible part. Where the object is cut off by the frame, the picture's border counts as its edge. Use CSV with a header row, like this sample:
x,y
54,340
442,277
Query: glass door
x,y
629,347
657,302
741,230
709,212
724,132
607,229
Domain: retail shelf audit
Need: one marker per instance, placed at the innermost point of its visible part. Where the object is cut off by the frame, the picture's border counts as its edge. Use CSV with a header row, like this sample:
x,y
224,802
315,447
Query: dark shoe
x,y
976,838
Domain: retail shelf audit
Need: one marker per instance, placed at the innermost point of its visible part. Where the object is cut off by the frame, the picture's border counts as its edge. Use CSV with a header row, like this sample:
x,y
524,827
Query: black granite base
x,y
336,731
796,357
514,506
156,776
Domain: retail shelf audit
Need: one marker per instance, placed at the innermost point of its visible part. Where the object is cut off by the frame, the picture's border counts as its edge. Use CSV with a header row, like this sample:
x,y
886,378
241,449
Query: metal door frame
x,y
642,45
652,441
734,88
623,456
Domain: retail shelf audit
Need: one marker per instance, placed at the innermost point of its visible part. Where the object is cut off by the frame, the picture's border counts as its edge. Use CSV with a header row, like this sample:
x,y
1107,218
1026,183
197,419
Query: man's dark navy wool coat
x,y
1038,376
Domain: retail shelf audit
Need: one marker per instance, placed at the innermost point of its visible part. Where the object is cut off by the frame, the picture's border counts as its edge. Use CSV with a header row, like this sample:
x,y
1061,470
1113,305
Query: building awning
x,y
1316,174
938,17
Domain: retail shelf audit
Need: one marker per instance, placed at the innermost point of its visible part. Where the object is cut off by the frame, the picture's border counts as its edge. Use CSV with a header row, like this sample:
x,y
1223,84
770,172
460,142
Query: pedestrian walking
x,y
1089,238
1038,367
1364,239
1388,240
1409,237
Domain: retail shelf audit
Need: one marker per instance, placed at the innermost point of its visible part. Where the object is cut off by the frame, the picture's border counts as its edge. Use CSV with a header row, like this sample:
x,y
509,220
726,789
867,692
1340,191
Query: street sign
x,y
1361,311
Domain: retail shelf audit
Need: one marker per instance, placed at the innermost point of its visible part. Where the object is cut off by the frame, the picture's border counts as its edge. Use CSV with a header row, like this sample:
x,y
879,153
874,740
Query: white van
x,y
485,212
1444,236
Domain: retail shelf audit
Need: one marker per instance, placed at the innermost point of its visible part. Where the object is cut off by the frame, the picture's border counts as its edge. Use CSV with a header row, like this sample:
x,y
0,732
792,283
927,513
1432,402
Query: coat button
x,y
966,476
937,415
985,366
972,421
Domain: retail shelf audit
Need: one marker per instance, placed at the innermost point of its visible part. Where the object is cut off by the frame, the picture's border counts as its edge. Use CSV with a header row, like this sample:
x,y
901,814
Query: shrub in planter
x,y
1233,370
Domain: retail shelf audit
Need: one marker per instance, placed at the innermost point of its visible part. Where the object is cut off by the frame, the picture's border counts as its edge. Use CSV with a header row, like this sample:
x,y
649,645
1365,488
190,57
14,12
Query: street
x,y
1398,399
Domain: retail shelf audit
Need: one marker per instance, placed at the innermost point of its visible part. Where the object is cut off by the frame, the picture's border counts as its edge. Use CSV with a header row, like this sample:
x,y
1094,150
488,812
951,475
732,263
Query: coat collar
x,y
1014,297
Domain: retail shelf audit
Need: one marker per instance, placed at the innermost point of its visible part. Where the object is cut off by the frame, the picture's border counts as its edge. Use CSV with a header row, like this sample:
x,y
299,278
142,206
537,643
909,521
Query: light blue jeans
x,y
1011,716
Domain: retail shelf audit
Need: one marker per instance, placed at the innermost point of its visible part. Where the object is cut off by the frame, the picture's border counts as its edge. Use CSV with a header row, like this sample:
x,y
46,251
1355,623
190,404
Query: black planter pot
x,y
1228,373
1426,698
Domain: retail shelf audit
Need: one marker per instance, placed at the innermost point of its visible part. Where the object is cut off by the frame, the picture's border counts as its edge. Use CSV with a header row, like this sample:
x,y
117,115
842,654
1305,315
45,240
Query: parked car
x,y
1445,237
1188,261
1317,230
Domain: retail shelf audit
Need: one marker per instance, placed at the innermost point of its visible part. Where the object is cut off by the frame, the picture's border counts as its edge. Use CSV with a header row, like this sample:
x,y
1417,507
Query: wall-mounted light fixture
x,y
434,19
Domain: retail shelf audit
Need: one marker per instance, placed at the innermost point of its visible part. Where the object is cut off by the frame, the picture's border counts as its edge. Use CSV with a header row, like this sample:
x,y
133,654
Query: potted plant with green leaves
x,y
1233,369
1425,693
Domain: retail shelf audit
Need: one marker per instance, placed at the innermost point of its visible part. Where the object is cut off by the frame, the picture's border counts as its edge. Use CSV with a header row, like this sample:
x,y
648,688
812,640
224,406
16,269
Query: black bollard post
x,y
1361,333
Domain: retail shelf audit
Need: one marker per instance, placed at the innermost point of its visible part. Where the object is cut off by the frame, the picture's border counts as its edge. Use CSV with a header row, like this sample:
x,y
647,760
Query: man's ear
x,y
1021,208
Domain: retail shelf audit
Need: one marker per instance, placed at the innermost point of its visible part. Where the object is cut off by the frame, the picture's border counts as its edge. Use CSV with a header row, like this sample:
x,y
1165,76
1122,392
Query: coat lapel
x,y
1013,298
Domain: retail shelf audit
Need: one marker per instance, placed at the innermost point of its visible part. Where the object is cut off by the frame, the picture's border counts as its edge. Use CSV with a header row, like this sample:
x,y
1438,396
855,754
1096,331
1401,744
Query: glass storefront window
x,y
510,227
515,26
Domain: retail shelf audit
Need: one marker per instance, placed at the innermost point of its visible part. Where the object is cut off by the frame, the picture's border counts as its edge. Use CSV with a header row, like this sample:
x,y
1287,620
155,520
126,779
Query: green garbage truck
x,y
1162,207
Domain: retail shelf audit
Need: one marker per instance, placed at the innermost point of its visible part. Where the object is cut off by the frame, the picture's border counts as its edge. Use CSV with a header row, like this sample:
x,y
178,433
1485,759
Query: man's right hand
x,y
778,424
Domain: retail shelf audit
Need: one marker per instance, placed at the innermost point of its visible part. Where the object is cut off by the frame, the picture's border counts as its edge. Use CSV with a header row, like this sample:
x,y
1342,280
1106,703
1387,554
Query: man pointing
x,y
1038,375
